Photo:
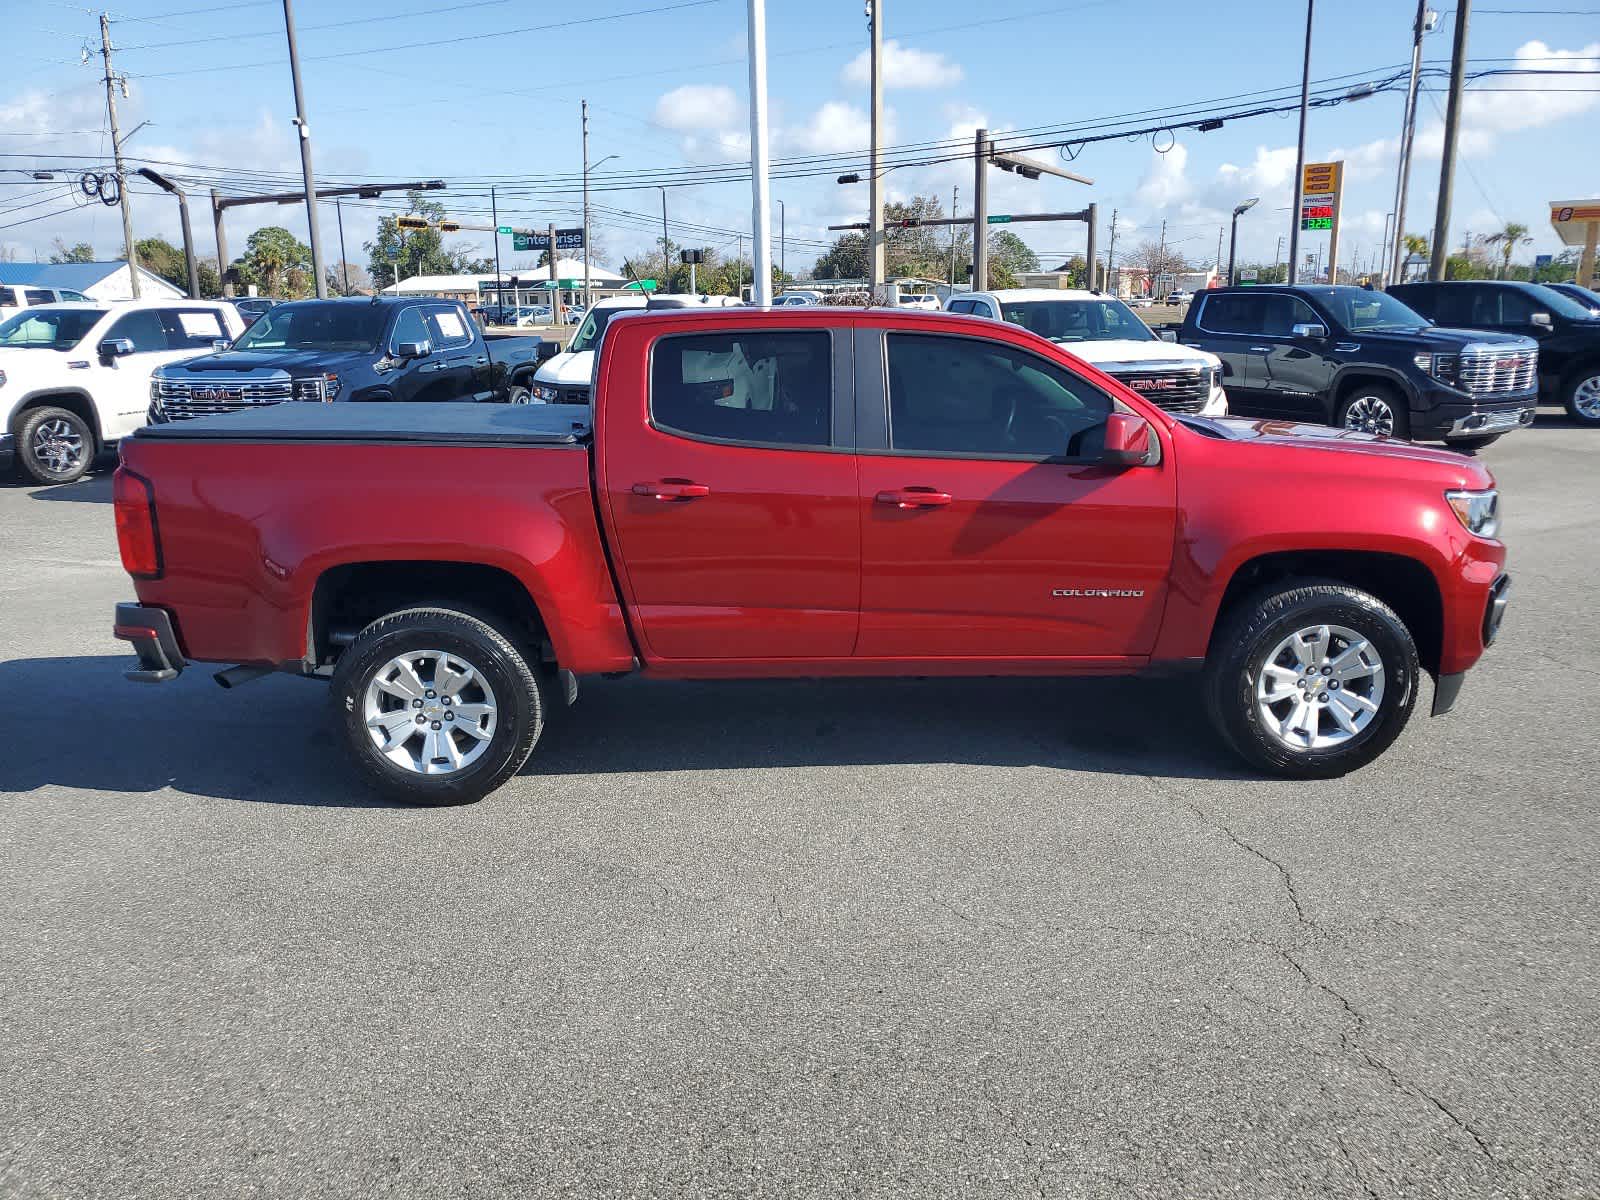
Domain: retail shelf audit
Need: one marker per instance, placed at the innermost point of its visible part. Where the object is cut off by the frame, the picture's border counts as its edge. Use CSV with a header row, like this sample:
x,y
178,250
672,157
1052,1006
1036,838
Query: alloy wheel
x,y
1586,398
1320,687
1370,414
57,446
430,712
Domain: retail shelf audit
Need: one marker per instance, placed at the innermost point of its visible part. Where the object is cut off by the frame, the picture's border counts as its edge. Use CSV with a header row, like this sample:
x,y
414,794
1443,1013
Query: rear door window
x,y
193,328
39,296
758,388
1231,314
447,330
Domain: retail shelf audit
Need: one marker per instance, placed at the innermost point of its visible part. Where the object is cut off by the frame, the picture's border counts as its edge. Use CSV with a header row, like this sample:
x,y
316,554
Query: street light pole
x,y
1300,154
305,152
783,239
166,185
980,212
1408,131
877,259
666,243
760,199
1233,240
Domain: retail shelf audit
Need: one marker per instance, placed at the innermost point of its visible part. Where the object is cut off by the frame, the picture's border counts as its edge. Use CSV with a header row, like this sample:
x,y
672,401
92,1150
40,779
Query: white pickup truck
x,y
1104,331
75,378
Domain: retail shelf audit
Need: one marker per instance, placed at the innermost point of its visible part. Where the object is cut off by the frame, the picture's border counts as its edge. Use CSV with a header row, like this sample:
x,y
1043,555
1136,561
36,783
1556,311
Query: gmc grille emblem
x,y
218,393
1154,385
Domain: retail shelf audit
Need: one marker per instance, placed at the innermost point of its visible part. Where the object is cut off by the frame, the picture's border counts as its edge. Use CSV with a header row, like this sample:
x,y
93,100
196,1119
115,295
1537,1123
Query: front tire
x,y
519,393
436,707
54,445
1581,396
1374,408
1310,680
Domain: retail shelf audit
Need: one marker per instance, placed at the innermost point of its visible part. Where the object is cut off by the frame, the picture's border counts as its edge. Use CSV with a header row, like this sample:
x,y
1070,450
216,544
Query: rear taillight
x,y
136,525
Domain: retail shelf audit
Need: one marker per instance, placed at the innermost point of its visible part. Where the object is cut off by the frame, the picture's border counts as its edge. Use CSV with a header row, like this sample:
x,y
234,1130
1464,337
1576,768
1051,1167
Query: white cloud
x,y
699,106
904,67
1166,182
836,127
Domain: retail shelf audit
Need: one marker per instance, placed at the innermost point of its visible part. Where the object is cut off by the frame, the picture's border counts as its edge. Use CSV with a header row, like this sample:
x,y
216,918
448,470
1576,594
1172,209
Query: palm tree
x,y
1508,239
1416,247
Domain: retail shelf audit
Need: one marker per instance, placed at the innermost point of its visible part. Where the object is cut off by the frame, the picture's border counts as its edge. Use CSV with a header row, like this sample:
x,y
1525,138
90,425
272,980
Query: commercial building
x,y
97,280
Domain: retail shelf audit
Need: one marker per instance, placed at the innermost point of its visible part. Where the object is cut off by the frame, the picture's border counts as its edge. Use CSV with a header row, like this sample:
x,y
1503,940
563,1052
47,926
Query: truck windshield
x,y
1078,320
318,325
1357,309
588,335
49,328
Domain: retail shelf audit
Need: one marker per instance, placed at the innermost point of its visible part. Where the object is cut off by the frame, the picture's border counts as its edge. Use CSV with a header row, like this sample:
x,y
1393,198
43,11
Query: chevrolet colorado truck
x,y
1362,359
805,492
409,349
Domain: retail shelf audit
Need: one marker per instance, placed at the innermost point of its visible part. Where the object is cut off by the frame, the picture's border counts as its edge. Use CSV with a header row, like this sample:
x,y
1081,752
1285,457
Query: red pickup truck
x,y
805,492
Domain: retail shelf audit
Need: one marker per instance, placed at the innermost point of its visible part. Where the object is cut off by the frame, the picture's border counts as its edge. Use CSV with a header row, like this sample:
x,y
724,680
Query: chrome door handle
x,y
1260,349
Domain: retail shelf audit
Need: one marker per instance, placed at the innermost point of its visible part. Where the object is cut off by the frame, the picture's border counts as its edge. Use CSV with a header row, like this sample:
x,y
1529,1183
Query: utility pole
x,y
1221,229
1277,255
877,268
1092,219
555,281
666,243
980,211
955,197
1452,127
1161,257
1300,154
586,300
1111,254
783,239
1408,131
112,83
738,289
760,196
305,152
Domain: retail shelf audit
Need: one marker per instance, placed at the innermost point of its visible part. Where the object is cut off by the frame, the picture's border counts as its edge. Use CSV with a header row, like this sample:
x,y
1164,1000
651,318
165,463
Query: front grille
x,y
572,395
1494,371
1182,389
184,399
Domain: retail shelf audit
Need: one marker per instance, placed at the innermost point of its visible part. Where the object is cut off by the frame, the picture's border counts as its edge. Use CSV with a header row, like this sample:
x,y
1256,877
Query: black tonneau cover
x,y
451,424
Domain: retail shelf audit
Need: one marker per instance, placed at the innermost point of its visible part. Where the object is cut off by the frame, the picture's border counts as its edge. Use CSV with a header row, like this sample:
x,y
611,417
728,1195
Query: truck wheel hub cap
x,y
430,712
1368,414
1319,687
57,446
1586,397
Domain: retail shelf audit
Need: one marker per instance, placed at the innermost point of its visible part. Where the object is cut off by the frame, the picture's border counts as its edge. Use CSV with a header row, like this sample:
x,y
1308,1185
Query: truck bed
x,y
425,424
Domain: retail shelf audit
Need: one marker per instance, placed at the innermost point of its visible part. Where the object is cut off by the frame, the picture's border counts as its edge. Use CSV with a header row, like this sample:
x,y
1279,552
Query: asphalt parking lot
x,y
890,939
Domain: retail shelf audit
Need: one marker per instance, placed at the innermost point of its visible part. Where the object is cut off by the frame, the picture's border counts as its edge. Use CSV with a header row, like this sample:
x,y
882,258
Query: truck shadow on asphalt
x,y
273,742
91,489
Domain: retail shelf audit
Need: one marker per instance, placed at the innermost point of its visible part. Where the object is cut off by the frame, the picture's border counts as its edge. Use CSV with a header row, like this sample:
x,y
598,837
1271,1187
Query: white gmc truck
x,y
1104,331
75,378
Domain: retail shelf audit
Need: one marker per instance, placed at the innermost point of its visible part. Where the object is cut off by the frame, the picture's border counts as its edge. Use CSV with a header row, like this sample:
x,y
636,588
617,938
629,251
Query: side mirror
x,y
1309,329
220,343
1540,320
116,348
1127,441
413,350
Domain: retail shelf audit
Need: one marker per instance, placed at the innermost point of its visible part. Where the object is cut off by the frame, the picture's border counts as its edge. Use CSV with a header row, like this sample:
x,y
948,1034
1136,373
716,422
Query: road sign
x,y
1249,276
1540,261
504,230
641,285
1000,219
566,239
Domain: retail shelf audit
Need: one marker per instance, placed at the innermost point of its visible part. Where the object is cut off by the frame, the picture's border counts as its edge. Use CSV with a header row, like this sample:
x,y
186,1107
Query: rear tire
x,y
436,707
54,445
519,393
1375,408
1355,652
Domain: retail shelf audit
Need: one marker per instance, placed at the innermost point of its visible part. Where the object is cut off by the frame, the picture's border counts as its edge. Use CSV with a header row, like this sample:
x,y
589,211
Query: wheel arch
x,y
1404,584
74,400
1351,377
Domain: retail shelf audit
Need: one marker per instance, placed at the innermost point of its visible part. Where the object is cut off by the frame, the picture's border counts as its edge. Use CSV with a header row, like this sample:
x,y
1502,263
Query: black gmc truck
x,y
1361,359
379,349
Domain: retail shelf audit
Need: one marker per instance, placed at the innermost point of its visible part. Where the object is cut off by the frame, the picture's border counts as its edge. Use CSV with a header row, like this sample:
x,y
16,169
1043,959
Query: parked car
x,y
1587,297
829,493
1140,302
1179,296
1104,331
75,377
796,299
1566,332
31,297
1364,360
574,313
382,348
920,300
532,314
251,307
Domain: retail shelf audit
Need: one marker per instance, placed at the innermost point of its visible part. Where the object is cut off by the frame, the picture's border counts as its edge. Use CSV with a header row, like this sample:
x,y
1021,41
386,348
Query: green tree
x,y
1562,267
277,262
82,252
419,251
920,251
161,257
1009,257
1507,240
1416,251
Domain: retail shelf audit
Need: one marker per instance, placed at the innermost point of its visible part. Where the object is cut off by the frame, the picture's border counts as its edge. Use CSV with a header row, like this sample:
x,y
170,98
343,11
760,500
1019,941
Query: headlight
x,y
1441,366
1213,379
1478,511
545,393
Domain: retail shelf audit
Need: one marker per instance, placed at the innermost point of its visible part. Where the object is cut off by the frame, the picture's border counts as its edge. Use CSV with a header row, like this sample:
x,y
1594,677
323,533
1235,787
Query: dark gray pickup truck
x,y
381,349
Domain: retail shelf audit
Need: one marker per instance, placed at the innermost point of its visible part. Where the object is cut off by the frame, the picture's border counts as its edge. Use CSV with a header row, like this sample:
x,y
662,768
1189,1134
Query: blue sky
x,y
466,91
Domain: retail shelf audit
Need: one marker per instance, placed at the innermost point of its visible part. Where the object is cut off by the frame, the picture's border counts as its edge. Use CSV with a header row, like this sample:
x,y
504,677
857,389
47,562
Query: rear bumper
x,y
150,631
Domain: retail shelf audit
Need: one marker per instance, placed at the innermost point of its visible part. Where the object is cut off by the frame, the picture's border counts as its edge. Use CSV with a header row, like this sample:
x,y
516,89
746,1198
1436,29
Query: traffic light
x,y
411,222
449,226
692,256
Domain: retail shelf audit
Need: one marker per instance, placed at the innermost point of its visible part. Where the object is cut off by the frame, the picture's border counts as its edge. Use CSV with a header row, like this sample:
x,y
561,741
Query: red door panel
x,y
1010,564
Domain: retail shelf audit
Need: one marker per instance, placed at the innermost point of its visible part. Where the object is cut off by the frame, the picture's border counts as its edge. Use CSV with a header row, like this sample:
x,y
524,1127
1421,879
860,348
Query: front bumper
x,y
8,452
1449,414
150,631
1447,687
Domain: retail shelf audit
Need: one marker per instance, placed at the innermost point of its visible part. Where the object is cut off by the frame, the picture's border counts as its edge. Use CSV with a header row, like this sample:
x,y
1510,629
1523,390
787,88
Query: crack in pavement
x,y
1356,1170
1283,873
